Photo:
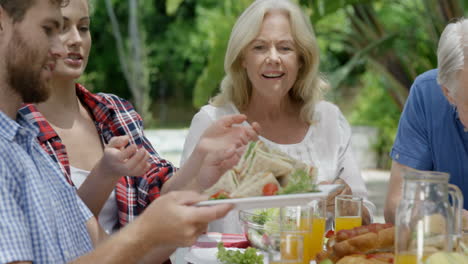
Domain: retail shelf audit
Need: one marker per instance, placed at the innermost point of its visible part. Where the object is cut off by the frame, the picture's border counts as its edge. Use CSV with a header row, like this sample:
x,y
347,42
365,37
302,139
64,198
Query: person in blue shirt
x,y
42,218
433,130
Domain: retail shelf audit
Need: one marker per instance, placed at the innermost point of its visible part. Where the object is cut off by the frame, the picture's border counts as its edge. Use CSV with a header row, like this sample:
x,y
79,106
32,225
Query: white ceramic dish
x,y
275,200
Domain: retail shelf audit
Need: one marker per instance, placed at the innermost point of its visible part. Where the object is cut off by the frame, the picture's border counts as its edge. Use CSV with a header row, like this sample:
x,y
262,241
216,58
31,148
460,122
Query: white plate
x,y
275,200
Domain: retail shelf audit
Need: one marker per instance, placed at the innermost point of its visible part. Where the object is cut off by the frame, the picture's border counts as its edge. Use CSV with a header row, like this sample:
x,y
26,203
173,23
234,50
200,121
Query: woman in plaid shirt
x,y
98,141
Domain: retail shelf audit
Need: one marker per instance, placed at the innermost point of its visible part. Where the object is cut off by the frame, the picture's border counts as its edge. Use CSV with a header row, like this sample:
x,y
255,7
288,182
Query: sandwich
x,y
261,167
227,183
259,159
253,186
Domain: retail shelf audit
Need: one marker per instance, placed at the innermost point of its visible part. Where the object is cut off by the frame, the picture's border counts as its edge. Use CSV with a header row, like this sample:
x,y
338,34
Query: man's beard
x,y
24,67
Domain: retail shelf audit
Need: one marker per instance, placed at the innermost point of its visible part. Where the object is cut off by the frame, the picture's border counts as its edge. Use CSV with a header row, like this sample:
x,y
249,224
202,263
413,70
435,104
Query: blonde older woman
x,y
272,77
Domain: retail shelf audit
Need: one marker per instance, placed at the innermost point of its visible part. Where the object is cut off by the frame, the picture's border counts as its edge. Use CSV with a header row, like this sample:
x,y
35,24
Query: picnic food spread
x,y
262,171
371,243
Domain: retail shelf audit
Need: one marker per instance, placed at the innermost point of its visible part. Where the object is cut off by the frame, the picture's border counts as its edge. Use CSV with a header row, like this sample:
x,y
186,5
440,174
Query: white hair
x,y
451,54
310,84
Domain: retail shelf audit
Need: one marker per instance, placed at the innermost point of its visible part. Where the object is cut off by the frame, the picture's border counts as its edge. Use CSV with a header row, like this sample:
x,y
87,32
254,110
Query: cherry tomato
x,y
270,189
329,233
221,194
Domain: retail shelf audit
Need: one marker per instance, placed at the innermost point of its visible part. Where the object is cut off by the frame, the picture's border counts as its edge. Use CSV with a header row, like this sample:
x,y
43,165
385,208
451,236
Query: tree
x,y
387,38
130,58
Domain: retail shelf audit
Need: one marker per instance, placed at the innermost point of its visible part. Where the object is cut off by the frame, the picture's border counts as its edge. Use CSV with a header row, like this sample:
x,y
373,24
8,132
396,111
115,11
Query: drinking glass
x,y
319,217
348,212
287,247
301,219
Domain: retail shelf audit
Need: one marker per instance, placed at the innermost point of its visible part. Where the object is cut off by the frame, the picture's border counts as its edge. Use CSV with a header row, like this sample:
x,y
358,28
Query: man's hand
x,y
172,219
119,160
168,222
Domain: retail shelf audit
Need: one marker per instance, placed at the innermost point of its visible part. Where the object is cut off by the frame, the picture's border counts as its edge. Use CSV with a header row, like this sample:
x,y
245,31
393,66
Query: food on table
x,y
259,224
368,242
447,258
263,171
249,256
376,258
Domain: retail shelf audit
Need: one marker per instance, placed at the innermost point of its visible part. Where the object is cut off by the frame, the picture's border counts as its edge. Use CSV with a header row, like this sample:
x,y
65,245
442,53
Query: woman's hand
x,y
122,160
219,149
117,161
227,133
344,190
222,145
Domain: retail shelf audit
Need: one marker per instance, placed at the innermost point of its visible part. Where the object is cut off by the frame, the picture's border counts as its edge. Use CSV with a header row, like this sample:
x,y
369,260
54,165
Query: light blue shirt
x,y
42,219
430,134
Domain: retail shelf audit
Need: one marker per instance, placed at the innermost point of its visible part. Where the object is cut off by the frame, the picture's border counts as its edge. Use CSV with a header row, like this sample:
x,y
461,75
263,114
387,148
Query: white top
x,y
327,144
109,212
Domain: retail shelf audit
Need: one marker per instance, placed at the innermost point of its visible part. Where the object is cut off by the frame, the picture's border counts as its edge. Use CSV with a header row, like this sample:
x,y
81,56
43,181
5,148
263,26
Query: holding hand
x,y
345,189
119,160
218,149
223,144
173,221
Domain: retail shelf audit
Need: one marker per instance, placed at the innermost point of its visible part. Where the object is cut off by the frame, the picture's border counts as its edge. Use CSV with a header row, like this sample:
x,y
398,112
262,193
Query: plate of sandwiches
x,y
266,178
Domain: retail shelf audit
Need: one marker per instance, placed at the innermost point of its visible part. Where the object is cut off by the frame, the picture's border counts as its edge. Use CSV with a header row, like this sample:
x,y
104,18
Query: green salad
x,y
249,256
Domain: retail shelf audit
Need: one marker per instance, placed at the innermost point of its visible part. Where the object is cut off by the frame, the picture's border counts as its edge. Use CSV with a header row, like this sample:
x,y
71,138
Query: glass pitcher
x,y
425,220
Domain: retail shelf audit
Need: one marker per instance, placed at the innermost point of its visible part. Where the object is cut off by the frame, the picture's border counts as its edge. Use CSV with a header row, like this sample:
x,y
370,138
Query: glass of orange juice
x,y
286,247
300,219
409,258
319,218
348,212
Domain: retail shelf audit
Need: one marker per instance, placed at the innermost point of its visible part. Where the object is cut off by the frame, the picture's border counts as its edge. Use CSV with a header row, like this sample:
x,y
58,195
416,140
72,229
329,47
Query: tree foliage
x,y
184,42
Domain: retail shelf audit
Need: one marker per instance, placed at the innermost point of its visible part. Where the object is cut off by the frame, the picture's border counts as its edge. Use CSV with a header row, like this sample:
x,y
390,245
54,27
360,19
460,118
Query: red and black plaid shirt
x,y
113,116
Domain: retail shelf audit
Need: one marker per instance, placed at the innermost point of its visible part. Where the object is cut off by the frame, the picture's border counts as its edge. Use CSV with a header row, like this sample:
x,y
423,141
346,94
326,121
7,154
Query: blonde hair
x,y
451,54
309,86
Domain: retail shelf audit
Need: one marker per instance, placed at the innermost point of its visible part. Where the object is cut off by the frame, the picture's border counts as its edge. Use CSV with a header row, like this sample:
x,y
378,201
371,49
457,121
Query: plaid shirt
x,y
112,116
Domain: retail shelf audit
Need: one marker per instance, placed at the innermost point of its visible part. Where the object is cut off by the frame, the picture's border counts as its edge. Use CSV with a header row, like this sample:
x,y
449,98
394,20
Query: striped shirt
x,y
113,116
42,218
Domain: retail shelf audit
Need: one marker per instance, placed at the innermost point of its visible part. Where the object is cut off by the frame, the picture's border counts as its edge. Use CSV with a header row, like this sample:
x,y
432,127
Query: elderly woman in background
x,y
272,77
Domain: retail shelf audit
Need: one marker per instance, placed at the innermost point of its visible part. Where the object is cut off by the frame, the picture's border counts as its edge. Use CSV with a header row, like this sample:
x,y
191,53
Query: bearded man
x,y
42,218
